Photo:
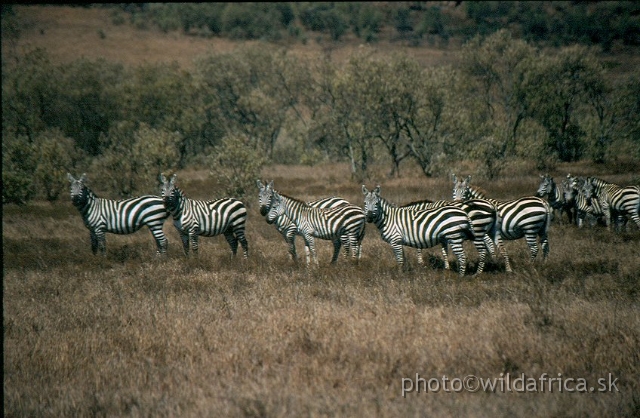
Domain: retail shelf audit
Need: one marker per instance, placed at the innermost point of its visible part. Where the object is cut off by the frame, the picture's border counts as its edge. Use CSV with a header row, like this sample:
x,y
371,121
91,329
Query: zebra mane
x,y
599,182
294,199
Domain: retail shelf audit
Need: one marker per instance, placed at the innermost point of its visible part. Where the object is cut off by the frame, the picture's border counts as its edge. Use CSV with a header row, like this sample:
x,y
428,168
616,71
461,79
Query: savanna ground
x,y
131,334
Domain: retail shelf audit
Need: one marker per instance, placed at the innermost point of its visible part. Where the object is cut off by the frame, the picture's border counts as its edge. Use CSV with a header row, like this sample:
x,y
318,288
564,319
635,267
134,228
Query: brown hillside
x,y
68,33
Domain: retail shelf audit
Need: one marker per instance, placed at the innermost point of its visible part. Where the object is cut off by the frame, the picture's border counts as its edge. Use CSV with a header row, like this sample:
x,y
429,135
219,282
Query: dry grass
x,y
135,335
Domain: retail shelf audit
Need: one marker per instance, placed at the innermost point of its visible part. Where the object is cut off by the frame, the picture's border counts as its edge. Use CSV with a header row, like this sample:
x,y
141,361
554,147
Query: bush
x,y
237,165
18,164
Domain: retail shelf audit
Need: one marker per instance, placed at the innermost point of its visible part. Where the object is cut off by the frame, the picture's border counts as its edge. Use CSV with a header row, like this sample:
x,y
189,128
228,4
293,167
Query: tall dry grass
x,y
134,335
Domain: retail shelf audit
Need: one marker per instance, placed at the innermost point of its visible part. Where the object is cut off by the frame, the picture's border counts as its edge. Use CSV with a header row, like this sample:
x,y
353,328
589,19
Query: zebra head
x,y
546,185
169,192
372,203
461,188
265,191
586,189
79,191
276,207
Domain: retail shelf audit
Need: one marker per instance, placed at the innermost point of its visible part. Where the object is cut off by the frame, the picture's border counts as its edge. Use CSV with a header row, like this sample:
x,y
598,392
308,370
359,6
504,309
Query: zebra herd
x,y
470,215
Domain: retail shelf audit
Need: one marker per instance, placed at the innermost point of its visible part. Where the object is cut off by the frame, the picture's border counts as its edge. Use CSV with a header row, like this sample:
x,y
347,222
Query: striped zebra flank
x,y
194,218
446,226
343,225
287,228
527,217
617,202
482,215
117,216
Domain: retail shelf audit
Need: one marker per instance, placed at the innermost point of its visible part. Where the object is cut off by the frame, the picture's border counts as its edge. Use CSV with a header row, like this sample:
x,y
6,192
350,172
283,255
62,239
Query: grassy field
x,y
134,335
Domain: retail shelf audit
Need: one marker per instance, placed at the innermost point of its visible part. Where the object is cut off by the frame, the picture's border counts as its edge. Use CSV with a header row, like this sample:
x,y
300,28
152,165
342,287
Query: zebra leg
x,y
445,256
490,246
458,250
532,242
243,242
194,243
398,250
94,241
503,251
161,241
310,249
233,242
290,239
185,243
481,247
337,243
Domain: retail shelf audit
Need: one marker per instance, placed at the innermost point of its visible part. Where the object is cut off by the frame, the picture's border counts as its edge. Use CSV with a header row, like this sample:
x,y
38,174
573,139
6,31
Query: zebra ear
x,y
455,178
270,185
259,184
468,179
364,189
163,179
83,178
377,190
70,178
173,179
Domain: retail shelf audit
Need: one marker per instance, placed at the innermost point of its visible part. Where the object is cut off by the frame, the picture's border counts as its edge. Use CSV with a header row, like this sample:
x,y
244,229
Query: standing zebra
x,y
617,201
193,218
482,215
549,190
117,216
447,225
587,204
285,226
569,193
527,217
343,225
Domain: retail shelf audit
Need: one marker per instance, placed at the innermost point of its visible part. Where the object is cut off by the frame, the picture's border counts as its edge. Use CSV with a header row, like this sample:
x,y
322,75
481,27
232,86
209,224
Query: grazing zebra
x,y
586,203
285,226
447,225
527,217
117,216
343,225
617,201
482,215
193,218
549,190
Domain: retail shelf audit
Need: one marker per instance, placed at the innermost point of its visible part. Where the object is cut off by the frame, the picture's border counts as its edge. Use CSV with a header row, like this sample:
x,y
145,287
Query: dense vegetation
x,y
505,99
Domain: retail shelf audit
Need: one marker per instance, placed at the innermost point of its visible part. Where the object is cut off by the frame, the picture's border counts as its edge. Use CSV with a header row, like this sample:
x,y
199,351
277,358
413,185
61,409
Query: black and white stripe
x,y
117,216
284,225
343,225
616,200
587,205
549,189
482,215
194,218
527,217
446,225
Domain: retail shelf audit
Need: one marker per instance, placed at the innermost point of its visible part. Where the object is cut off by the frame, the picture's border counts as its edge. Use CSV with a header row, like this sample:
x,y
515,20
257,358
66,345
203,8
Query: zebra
x,y
617,201
586,203
193,218
527,217
343,225
117,216
570,192
446,225
285,226
482,215
548,189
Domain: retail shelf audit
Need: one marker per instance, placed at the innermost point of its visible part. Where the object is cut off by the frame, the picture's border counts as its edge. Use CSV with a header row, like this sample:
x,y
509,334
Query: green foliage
x,y
56,155
236,164
134,157
18,165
